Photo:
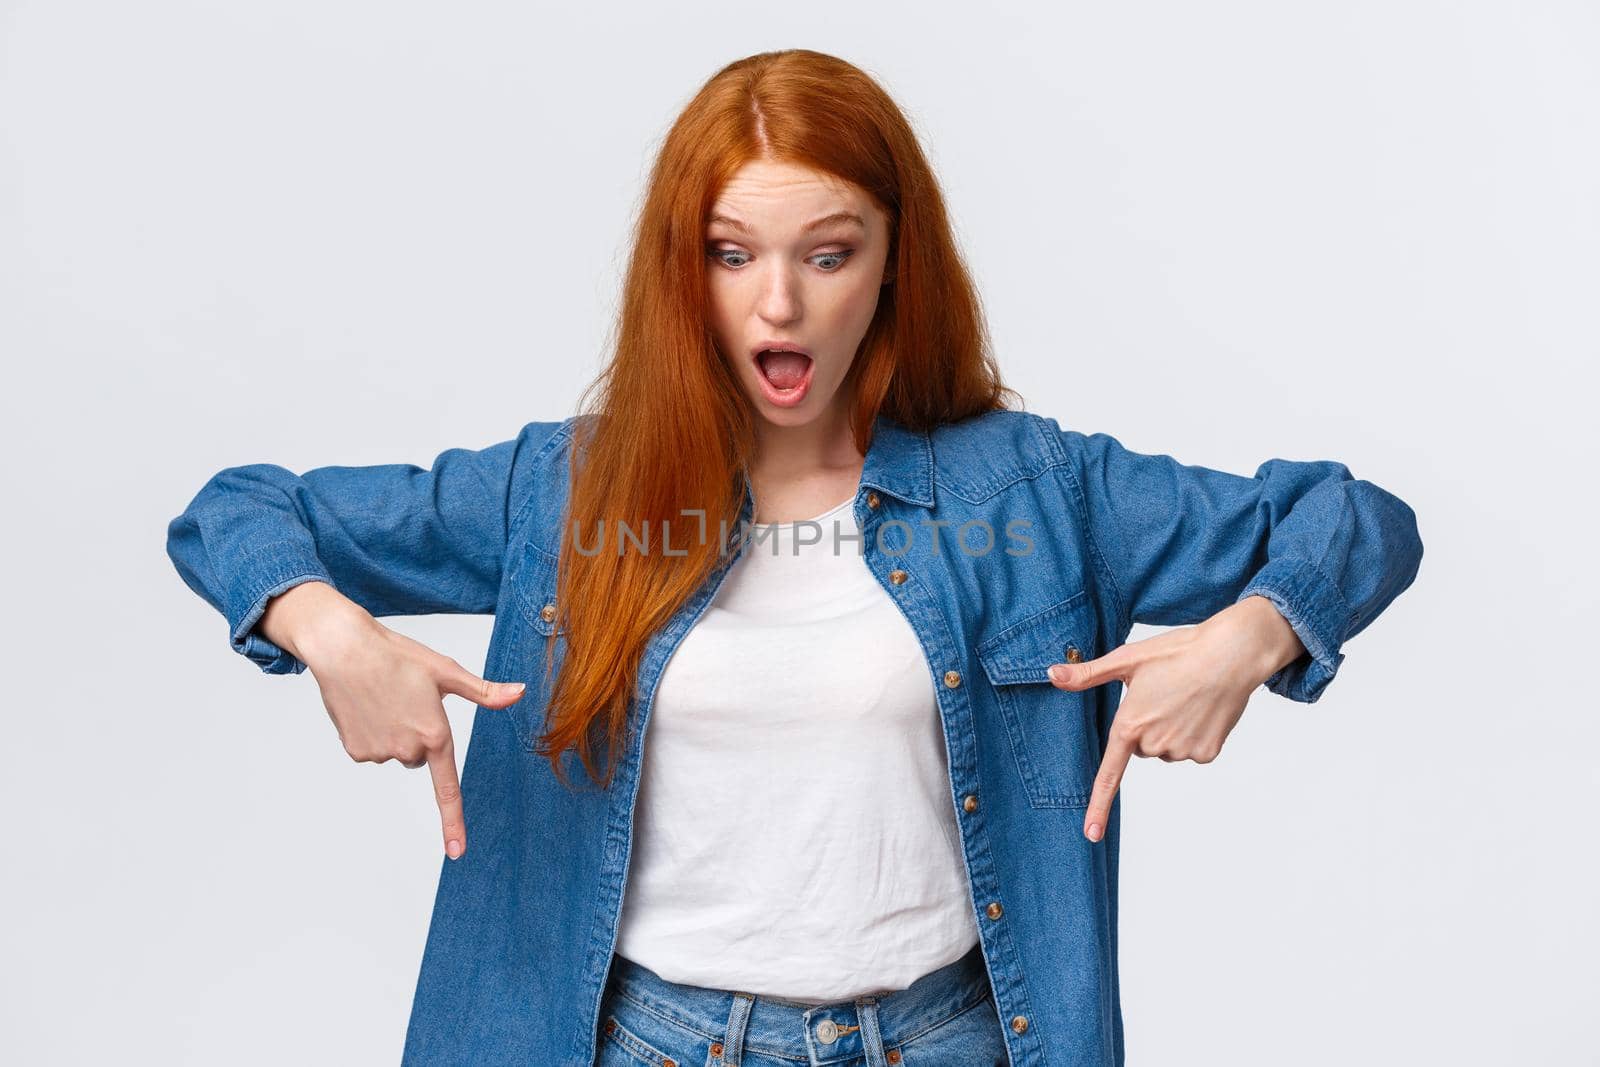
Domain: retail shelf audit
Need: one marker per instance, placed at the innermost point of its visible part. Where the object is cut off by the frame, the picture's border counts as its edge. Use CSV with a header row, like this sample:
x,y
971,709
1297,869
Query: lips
x,y
784,371
783,368
774,345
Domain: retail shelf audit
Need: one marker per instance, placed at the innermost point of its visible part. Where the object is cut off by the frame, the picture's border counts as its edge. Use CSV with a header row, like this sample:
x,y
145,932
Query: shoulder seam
x,y
1081,498
1030,464
519,521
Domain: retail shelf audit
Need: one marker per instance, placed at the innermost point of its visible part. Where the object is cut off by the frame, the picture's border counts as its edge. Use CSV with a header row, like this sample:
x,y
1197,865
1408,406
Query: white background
x,y
339,232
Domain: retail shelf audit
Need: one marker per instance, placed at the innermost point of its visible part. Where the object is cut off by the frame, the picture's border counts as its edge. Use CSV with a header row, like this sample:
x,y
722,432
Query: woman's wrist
x,y
297,619
1262,626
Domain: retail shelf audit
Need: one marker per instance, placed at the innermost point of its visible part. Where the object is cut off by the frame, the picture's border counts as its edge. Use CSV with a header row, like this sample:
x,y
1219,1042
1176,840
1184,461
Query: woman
x,y
878,820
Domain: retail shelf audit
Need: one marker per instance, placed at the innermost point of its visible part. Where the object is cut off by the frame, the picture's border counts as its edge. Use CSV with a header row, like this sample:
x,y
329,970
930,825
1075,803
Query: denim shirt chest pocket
x,y
535,643
1052,732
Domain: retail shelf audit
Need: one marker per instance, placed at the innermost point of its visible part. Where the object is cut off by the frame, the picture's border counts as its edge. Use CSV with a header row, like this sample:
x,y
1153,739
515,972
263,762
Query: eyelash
x,y
842,257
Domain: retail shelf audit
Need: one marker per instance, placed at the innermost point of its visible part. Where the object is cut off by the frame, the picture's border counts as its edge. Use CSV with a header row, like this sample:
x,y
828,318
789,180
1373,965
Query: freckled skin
x,y
783,284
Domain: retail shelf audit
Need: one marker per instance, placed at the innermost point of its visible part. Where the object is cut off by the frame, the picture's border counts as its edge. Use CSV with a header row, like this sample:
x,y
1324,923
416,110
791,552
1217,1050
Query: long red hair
x,y
667,428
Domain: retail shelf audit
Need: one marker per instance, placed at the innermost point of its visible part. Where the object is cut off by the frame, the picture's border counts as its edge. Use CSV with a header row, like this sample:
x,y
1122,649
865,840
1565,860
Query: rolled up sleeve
x,y
1180,542
398,539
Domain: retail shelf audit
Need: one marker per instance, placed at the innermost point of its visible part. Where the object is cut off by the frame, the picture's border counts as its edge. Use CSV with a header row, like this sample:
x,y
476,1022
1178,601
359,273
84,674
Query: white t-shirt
x,y
794,835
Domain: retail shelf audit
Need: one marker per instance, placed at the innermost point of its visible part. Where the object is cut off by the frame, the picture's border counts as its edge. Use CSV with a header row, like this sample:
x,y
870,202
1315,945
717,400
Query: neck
x,y
787,453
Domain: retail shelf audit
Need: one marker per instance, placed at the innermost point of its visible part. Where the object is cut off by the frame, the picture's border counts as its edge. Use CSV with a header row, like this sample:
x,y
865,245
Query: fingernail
x,y
1060,673
454,848
519,687
1094,831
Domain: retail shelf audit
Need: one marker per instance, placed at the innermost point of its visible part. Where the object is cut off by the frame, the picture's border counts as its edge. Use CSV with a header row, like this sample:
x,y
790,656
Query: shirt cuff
x,y
1319,616
262,579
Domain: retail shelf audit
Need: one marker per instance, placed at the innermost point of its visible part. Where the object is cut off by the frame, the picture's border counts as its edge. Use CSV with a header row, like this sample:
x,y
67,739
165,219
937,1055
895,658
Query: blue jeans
x,y
946,1018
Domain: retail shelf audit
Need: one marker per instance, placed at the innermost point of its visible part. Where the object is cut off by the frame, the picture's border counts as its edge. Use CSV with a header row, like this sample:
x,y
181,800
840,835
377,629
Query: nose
x,y
779,302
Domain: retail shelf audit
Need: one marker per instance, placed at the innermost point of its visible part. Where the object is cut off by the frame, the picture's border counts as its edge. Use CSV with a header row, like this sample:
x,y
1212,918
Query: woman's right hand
x,y
383,690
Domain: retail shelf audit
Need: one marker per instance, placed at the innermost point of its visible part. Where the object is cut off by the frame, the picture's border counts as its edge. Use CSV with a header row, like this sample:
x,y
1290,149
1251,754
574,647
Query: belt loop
x,y
871,1037
733,1038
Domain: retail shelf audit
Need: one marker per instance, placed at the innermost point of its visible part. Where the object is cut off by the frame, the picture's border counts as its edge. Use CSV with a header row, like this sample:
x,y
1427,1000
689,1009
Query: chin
x,y
786,417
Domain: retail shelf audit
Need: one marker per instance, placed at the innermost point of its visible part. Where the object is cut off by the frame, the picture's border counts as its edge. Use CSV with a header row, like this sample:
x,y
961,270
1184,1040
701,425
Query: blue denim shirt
x,y
1005,540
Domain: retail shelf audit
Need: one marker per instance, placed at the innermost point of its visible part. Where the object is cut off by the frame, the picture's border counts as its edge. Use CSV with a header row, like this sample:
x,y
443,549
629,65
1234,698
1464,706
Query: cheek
x,y
721,318
861,303
849,315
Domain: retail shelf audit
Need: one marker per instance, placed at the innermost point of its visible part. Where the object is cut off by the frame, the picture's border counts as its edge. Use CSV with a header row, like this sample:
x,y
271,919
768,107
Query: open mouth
x,y
785,374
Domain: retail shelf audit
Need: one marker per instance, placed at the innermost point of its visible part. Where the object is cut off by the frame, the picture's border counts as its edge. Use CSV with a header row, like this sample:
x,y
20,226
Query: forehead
x,y
776,195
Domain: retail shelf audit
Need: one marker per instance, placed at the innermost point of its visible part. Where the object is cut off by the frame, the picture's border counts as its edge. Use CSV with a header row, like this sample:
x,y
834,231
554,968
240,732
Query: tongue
x,y
784,369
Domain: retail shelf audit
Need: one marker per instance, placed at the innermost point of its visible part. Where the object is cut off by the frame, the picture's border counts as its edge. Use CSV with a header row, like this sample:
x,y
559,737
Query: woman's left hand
x,y
1186,688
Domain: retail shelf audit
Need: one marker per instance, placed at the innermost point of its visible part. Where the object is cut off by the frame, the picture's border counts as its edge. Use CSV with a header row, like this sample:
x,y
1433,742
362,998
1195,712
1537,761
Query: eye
x,y
721,256
840,256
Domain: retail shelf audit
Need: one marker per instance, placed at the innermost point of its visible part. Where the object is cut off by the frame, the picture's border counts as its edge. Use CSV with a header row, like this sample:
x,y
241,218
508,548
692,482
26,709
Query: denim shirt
x,y
1008,543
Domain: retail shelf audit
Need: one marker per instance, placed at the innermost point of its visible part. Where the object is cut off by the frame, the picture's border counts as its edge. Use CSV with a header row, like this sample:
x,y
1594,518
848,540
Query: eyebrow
x,y
815,224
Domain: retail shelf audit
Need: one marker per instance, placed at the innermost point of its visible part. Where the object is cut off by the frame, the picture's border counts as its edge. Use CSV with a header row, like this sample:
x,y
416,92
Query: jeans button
x,y
827,1031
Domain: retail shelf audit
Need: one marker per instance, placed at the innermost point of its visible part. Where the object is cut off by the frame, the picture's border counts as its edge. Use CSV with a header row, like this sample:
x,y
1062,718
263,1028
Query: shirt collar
x,y
900,462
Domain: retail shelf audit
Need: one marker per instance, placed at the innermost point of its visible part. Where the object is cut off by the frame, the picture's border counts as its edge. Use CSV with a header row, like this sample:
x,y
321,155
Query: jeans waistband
x,y
820,1034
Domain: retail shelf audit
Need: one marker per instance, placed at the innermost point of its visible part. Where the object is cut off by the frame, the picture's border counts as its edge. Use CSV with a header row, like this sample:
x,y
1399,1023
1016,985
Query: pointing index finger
x,y
1119,750
447,792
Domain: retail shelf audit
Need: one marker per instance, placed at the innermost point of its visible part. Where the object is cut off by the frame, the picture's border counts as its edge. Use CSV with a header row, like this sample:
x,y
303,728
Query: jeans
x,y
946,1018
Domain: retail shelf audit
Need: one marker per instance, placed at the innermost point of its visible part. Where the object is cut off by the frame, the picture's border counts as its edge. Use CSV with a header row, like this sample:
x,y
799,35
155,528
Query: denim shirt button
x,y
872,501
1073,655
952,679
1019,1023
548,612
995,910
898,577
969,803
